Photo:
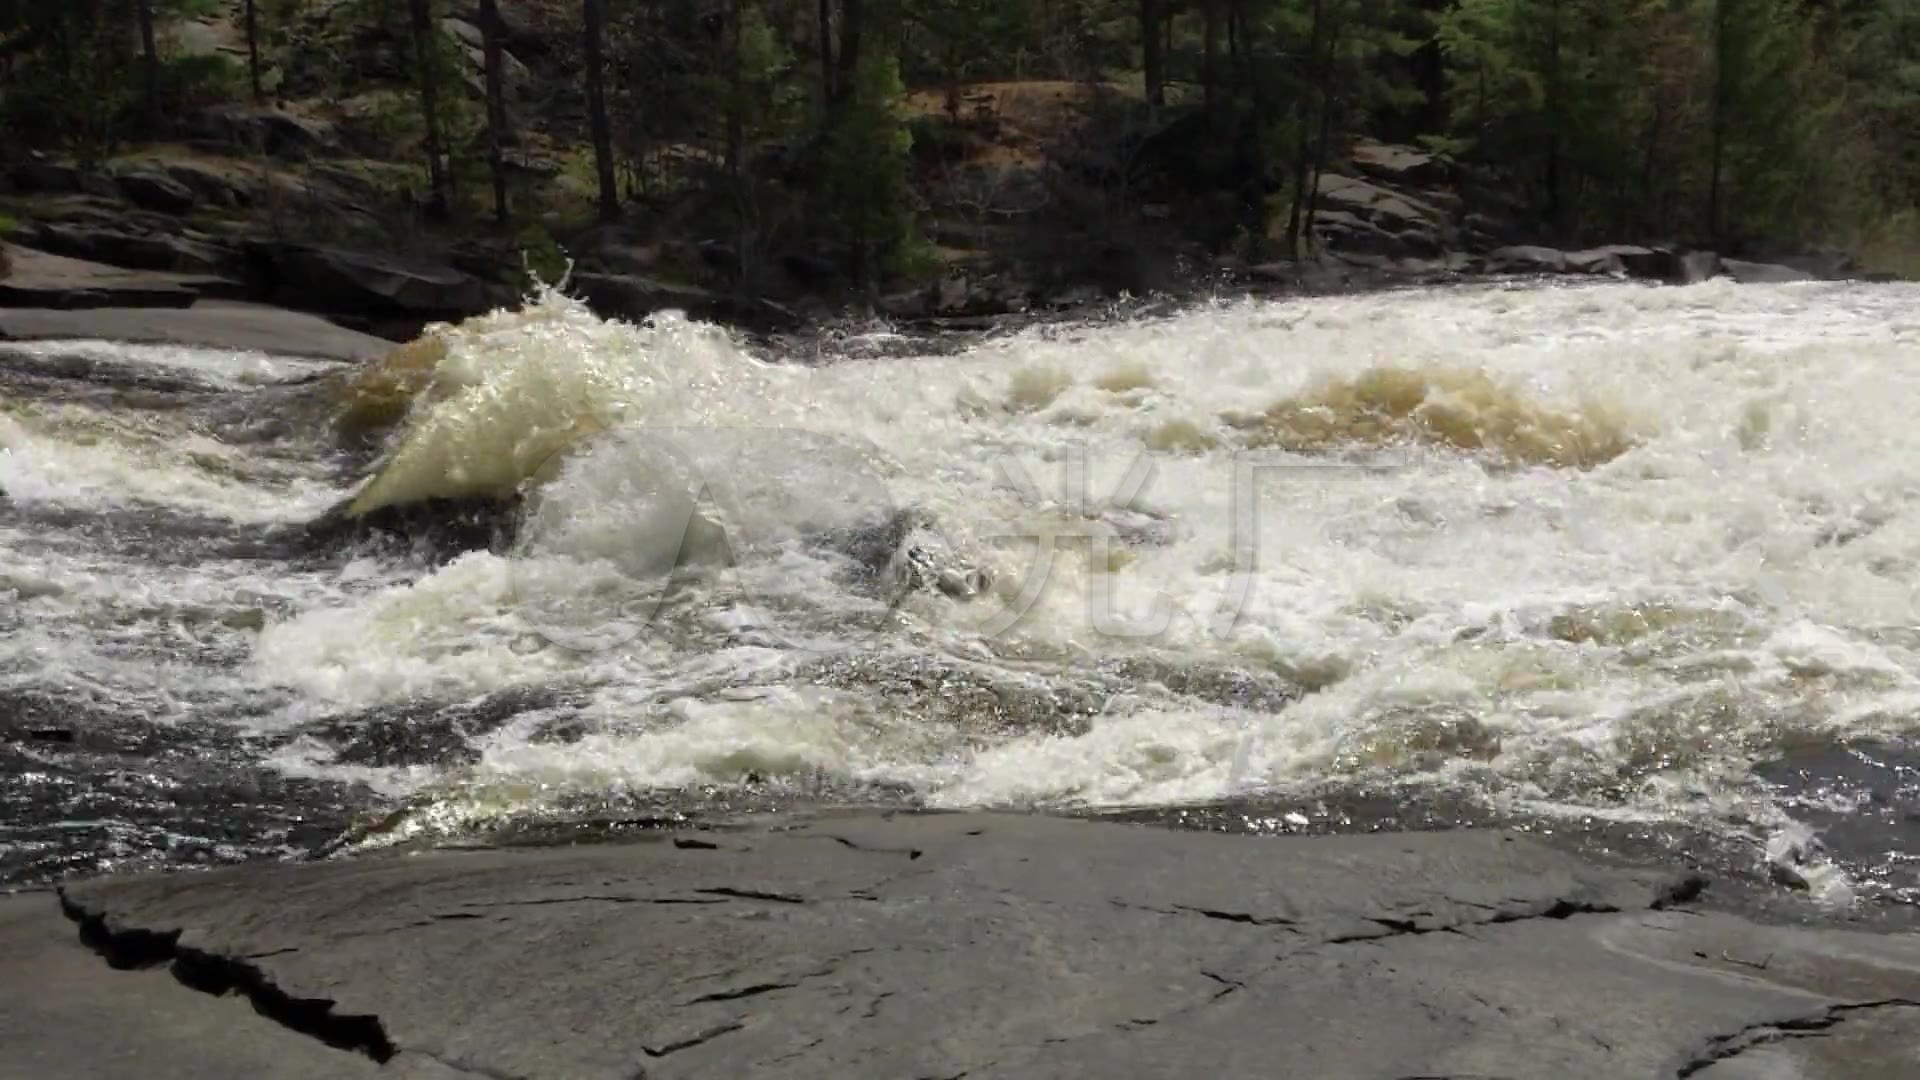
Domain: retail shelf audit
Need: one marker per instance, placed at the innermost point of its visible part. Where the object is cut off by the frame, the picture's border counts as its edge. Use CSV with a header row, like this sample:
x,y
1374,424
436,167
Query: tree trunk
x,y
1150,52
744,215
150,63
1556,203
1210,56
490,34
736,94
595,16
1719,122
825,20
1303,122
1656,132
424,58
853,18
253,49
1325,144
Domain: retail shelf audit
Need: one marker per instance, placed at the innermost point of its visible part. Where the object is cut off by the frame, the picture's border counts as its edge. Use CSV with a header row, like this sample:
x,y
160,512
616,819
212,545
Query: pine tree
x,y
864,174
594,27
490,35
1764,121
427,80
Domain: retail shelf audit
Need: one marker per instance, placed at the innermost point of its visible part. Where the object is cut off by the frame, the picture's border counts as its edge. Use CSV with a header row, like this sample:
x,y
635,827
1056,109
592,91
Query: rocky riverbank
x,y
233,215
947,945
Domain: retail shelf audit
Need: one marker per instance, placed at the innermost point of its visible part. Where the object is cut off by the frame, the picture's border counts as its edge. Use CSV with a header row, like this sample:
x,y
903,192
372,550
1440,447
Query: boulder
x,y
1652,264
155,191
40,177
1396,212
45,178
1753,273
214,186
1695,267
1822,266
1484,230
1596,261
135,250
463,32
1348,233
1403,165
951,295
467,40
275,132
521,161
520,26
632,297
367,284
1527,259
38,279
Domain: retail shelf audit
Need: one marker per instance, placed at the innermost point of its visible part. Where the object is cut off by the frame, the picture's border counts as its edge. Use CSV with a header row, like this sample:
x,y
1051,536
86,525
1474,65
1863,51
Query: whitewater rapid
x,y
1591,550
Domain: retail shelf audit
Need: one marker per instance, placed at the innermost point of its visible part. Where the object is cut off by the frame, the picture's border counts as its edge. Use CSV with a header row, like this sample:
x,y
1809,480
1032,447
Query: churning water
x,y
1607,552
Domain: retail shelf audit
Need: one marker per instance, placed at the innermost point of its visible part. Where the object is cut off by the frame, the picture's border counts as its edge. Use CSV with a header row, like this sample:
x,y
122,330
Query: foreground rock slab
x,y
981,946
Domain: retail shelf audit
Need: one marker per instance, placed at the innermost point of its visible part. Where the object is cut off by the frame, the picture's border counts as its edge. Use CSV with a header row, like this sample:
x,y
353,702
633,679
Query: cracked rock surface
x,y
947,946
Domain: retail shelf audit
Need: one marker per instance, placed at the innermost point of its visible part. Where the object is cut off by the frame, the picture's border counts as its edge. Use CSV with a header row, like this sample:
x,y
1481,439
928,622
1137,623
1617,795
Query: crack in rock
x,y
1246,918
911,853
595,899
754,990
463,1068
1235,916
742,992
1227,986
1564,908
1392,926
749,894
1721,1047
705,1035
799,1052
211,973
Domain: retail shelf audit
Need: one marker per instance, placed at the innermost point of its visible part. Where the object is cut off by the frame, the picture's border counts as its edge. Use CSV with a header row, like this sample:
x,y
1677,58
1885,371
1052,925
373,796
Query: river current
x,y
1614,553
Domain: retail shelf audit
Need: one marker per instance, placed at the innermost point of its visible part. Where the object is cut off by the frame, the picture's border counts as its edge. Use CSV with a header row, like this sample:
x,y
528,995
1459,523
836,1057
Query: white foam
x,y
229,368
70,455
1743,570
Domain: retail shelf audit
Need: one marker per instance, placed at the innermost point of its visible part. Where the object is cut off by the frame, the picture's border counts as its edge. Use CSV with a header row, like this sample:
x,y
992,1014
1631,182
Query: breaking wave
x,y
1599,550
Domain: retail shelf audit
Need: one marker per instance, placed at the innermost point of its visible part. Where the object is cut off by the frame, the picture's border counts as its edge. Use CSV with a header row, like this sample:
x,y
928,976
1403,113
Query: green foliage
x,y
1713,120
544,263
1750,122
863,176
193,82
72,89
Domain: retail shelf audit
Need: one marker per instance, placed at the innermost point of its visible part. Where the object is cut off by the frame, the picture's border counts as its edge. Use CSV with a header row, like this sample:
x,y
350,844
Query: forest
x,y
878,143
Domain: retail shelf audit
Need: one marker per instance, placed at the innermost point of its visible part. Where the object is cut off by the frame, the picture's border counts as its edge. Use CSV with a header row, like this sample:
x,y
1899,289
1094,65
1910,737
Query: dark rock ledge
x,y
945,946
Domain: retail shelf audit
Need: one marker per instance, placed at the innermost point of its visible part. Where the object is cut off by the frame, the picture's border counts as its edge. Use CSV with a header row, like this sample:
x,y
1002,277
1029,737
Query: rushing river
x,y
1612,553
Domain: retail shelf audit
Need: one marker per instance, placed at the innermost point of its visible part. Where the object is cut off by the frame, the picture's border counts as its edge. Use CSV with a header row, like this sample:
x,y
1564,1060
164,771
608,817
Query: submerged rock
x,y
1754,273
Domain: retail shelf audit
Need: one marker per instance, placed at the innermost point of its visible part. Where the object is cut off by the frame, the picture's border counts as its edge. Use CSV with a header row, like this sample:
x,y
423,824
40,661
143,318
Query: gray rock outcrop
x,y
976,946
